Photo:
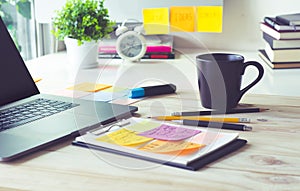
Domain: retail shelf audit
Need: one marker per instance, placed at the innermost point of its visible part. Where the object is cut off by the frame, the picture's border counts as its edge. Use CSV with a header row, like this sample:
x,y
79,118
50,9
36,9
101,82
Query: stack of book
x,y
282,38
158,47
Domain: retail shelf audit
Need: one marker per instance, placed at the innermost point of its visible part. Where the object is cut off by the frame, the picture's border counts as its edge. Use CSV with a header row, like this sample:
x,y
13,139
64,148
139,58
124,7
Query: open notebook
x,y
175,145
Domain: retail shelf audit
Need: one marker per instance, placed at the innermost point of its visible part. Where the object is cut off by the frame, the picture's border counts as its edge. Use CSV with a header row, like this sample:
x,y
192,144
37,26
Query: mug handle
x,y
259,77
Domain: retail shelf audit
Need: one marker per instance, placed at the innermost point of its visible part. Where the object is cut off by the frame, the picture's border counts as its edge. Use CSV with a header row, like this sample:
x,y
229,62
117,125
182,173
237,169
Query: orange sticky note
x,y
171,147
156,20
182,19
89,87
209,18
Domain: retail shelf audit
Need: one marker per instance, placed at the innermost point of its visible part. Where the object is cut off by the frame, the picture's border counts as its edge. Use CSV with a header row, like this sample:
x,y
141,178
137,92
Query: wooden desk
x,y
270,161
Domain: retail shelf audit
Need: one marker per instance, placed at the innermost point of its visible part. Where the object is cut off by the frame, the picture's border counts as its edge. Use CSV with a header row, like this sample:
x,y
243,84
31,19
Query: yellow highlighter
x,y
200,118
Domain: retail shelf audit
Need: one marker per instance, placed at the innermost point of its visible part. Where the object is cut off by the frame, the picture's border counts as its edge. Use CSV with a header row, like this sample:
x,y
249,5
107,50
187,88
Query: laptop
x,y
30,120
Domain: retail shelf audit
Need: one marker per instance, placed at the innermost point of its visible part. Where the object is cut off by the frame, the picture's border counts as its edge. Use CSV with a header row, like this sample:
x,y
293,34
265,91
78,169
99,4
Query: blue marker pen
x,y
152,90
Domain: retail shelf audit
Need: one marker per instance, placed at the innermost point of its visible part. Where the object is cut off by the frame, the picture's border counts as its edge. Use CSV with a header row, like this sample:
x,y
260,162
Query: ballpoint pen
x,y
105,128
215,119
215,112
239,127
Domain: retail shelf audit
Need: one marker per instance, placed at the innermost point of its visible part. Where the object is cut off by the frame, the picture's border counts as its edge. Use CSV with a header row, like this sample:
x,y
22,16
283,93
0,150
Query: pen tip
x,y
264,109
176,114
248,128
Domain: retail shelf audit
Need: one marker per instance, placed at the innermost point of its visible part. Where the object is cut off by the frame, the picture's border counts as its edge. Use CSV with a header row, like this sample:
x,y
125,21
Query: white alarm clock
x,y
131,44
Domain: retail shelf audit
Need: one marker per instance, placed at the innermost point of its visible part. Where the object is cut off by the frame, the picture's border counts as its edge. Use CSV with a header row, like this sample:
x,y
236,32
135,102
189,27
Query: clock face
x,y
131,46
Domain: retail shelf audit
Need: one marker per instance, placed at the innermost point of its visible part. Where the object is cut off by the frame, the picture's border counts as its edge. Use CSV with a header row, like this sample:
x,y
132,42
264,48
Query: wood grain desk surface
x,y
270,160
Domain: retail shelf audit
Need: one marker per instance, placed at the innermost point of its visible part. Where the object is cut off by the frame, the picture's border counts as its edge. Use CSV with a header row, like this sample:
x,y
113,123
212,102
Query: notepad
x,y
191,152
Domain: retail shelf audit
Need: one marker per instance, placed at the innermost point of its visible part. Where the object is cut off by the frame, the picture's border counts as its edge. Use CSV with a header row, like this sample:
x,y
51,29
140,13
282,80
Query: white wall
x,y
240,22
240,25
120,10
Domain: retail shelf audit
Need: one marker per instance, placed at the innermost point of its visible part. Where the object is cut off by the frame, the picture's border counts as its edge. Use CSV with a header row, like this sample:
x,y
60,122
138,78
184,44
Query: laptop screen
x,y
15,80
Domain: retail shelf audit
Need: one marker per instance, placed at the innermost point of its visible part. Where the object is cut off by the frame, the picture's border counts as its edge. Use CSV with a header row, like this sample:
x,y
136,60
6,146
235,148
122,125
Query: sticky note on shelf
x,y
89,87
209,18
156,20
182,19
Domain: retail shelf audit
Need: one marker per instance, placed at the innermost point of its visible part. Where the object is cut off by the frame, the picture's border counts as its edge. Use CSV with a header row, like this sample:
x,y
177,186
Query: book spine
x,y
272,22
275,24
287,21
269,39
159,56
146,56
149,49
282,20
107,49
159,49
279,35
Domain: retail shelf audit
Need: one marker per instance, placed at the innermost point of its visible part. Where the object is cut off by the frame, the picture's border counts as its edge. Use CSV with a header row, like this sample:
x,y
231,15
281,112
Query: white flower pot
x,y
83,56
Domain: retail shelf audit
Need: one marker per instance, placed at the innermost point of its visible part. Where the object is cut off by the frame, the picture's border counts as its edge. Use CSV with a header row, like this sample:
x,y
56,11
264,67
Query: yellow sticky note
x,y
209,18
89,87
156,20
171,147
126,137
182,19
37,79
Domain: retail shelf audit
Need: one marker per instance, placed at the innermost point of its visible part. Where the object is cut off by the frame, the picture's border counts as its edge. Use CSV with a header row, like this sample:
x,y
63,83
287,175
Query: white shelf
x,y
180,71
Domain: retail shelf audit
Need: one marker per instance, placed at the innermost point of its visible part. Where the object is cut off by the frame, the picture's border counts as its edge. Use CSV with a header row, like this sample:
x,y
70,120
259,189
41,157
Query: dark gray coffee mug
x,y
219,79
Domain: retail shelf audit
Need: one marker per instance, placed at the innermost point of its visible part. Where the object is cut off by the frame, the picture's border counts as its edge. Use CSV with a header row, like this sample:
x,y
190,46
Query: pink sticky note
x,y
170,133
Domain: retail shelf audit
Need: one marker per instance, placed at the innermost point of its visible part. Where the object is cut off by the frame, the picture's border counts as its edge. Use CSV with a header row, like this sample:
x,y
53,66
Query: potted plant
x,y
81,24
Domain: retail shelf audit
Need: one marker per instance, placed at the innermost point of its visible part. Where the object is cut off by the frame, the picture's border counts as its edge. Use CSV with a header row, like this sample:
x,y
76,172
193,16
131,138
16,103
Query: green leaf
x,y
2,2
24,8
84,20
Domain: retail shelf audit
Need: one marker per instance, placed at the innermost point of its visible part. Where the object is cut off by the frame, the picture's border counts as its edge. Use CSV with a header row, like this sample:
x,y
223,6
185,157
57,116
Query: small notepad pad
x,y
89,87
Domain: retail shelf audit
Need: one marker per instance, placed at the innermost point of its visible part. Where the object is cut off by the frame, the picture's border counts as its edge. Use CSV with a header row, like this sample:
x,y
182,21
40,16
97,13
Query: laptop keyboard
x,y
31,111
